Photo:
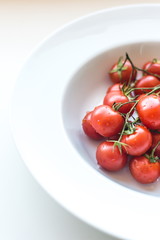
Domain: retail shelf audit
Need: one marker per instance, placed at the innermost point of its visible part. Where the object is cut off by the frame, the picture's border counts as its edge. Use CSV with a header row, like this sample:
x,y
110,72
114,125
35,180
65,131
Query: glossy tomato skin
x,y
118,97
115,87
148,109
143,170
88,129
152,67
146,82
155,140
106,121
125,74
109,157
138,142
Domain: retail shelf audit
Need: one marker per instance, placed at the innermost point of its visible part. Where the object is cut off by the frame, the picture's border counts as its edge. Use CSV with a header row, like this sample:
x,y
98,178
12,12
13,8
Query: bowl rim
x,y
37,48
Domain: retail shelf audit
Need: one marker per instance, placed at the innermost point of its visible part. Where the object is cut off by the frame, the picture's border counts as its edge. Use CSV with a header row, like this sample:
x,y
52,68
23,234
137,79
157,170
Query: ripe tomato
x,y
155,140
152,66
118,97
146,82
88,129
148,109
109,157
120,73
115,87
143,170
138,142
106,121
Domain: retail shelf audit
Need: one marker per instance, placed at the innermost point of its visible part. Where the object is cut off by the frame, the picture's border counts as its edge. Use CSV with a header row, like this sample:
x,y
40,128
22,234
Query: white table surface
x,y
26,210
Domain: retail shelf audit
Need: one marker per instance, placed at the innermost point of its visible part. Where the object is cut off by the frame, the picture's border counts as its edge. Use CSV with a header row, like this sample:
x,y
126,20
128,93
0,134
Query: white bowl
x,y
62,79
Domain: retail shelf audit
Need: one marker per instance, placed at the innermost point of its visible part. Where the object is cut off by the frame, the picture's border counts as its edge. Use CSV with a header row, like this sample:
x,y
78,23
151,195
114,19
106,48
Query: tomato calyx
x,y
129,129
155,60
120,67
118,144
152,157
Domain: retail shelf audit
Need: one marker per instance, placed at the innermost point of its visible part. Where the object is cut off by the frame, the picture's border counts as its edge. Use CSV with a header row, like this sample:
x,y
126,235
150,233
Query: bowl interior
x,y
86,90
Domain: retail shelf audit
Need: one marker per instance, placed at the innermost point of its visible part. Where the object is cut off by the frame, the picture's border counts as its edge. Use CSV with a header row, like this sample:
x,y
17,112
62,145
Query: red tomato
x,y
122,74
138,142
115,87
88,129
106,121
146,82
148,109
109,157
152,67
143,170
118,97
156,139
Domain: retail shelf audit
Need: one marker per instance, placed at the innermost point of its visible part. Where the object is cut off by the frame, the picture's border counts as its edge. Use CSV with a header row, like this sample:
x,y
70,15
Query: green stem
x,y
145,88
154,89
118,105
128,114
154,149
126,120
139,69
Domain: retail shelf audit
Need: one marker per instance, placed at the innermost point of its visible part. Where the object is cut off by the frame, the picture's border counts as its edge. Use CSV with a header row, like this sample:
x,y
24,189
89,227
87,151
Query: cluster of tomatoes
x,y
128,122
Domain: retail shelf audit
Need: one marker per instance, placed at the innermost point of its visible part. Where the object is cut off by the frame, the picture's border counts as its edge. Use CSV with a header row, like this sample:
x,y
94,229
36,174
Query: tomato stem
x,y
143,88
140,69
118,144
154,89
152,158
118,105
154,149
126,120
120,67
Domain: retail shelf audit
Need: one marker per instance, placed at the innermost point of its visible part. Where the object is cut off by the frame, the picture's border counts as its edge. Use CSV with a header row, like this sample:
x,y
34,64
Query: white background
x,y
26,210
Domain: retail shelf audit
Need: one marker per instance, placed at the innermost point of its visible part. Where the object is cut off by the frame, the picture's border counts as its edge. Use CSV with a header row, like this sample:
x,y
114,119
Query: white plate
x,y
62,79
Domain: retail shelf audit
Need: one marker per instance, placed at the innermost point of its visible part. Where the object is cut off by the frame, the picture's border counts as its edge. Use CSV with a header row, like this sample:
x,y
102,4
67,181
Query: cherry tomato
x,y
138,142
146,82
115,87
118,97
148,109
106,121
120,73
143,170
152,66
156,139
109,157
88,129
